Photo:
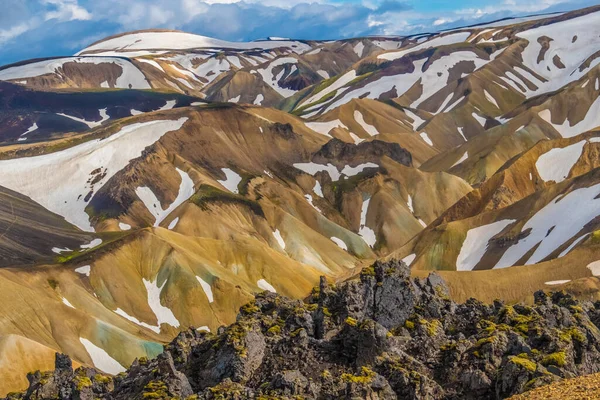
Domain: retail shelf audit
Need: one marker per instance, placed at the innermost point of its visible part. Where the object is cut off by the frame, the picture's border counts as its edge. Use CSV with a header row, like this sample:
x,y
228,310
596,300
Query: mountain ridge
x,y
173,184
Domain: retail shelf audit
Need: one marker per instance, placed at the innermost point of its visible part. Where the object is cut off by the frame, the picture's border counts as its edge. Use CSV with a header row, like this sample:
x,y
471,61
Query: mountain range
x,y
157,180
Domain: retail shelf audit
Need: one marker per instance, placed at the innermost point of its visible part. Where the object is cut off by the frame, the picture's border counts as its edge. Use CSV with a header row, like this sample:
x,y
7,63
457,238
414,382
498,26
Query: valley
x,y
158,180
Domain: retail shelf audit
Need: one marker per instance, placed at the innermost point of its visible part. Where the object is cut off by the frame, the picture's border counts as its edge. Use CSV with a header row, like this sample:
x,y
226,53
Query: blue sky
x,y
42,28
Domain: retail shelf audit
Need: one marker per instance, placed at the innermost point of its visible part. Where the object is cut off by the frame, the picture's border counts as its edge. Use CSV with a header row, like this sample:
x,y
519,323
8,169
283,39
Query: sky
x,y
44,28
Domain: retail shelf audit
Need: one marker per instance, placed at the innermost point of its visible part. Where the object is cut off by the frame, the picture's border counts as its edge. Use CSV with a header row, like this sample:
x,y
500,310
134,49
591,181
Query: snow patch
x,y
341,244
461,160
145,194
556,164
553,283
365,232
408,260
164,315
572,246
101,359
232,180
491,99
279,238
67,303
207,289
92,244
58,250
426,138
325,127
370,129
173,223
476,244
84,270
264,285
547,232
60,181
594,268
136,321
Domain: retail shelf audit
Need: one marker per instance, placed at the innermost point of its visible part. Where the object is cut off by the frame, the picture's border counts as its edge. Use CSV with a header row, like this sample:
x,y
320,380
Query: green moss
x,y
360,78
558,359
366,376
207,194
102,379
323,99
155,390
432,327
326,312
368,271
82,382
274,330
523,362
567,335
448,346
576,309
250,308
484,341
409,325
53,283
596,237
235,337
296,332
351,321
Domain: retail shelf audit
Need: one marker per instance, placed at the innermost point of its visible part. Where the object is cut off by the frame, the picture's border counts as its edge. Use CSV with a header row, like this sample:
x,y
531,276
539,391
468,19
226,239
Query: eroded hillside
x,y
157,180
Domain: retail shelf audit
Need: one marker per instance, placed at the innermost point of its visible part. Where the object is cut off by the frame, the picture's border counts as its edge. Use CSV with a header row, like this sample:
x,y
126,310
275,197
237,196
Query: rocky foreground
x,y
383,336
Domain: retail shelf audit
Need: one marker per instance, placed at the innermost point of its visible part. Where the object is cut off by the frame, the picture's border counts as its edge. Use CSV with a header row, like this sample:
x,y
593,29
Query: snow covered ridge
x,y
131,77
63,182
181,41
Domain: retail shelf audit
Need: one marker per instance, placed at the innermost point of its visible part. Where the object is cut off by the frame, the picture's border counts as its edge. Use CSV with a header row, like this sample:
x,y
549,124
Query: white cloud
x,y
7,34
66,10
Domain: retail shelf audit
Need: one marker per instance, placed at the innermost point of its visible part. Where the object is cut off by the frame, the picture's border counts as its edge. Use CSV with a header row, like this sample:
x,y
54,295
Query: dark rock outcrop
x,y
341,153
381,336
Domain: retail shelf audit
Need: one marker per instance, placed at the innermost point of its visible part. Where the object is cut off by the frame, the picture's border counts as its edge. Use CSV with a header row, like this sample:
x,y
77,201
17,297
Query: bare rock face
x,y
340,152
380,336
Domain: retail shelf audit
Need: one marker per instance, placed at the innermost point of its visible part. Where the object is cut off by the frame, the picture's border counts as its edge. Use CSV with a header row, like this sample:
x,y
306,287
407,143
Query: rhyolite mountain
x,y
158,180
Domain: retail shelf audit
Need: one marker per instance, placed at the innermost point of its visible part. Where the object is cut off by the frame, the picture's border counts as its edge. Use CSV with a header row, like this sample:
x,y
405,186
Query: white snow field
x,y
181,41
370,129
186,190
231,181
365,232
164,315
341,244
101,359
207,289
279,238
435,42
476,244
568,129
556,164
325,127
271,79
136,321
60,181
571,53
131,76
264,285
548,233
